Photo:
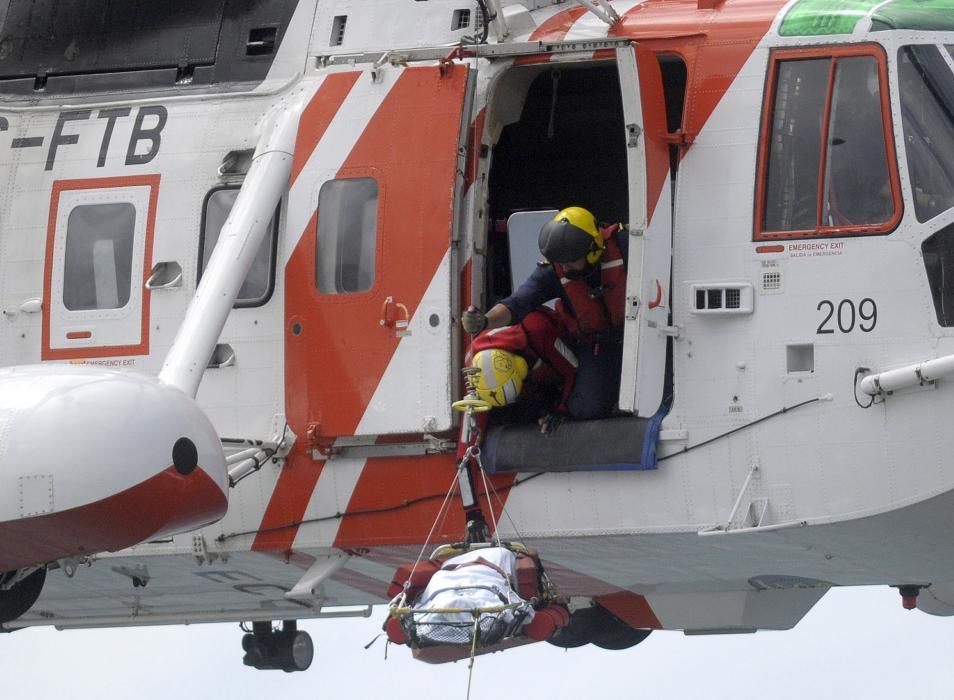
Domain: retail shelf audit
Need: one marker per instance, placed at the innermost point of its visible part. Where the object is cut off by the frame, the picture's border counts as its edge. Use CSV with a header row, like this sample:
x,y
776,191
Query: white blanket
x,y
479,579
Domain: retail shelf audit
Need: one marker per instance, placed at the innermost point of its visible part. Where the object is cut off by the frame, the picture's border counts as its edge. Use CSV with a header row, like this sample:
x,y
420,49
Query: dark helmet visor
x,y
562,242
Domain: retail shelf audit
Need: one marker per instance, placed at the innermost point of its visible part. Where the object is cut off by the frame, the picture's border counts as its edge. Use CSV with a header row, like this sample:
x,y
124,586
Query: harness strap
x,y
479,561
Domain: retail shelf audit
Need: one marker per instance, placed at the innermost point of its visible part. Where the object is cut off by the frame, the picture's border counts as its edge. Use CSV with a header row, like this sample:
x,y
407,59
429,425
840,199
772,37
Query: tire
x,y
600,627
615,635
620,639
20,598
584,623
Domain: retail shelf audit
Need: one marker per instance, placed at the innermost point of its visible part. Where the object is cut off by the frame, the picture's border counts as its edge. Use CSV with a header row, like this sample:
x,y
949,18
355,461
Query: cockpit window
x,y
927,113
857,183
826,166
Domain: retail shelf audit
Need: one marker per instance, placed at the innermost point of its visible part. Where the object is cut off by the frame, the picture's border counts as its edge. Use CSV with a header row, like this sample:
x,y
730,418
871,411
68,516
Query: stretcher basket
x,y
482,605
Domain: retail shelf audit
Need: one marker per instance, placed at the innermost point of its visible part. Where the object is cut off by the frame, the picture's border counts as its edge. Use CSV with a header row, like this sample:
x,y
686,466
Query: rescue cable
x,y
412,621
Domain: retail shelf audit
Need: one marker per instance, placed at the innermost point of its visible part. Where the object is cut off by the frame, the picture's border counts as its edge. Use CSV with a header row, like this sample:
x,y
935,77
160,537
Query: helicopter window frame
x,y
767,193
269,244
95,333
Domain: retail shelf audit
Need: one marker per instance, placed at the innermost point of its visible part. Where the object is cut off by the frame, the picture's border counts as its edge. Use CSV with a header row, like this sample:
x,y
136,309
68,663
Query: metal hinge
x,y
632,308
633,131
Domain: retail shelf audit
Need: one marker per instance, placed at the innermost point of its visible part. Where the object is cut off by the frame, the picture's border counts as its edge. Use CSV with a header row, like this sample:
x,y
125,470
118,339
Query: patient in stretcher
x,y
472,592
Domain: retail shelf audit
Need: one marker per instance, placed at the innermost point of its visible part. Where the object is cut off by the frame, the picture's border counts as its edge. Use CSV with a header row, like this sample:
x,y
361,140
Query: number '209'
x,y
846,316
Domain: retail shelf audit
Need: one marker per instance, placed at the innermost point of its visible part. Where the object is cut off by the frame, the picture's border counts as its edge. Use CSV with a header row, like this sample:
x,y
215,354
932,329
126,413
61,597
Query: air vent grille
x,y
722,298
460,20
771,281
338,30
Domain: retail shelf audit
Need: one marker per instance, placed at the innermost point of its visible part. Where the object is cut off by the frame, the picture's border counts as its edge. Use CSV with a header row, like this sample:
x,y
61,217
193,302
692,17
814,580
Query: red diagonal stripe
x,y
557,27
631,608
318,115
288,502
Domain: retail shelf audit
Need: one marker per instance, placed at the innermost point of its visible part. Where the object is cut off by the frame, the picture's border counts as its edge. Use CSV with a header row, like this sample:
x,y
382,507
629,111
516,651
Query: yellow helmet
x,y
501,376
572,234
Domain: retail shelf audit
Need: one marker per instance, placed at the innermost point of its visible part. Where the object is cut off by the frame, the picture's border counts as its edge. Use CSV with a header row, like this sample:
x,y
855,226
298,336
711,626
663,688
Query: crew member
x,y
585,270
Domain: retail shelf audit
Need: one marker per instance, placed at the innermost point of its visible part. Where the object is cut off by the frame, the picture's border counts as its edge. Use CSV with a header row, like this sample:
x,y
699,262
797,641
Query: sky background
x,y
855,643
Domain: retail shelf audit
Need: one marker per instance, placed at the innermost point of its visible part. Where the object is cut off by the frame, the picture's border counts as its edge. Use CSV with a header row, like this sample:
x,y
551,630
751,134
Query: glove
x,y
473,320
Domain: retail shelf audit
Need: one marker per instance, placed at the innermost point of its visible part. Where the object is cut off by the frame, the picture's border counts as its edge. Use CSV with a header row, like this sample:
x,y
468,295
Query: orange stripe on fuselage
x,y
714,44
318,115
553,29
288,502
631,608
388,483
556,28
165,503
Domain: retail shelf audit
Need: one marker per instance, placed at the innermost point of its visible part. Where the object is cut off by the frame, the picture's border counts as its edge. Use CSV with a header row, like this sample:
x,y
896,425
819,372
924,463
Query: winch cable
x,y
438,521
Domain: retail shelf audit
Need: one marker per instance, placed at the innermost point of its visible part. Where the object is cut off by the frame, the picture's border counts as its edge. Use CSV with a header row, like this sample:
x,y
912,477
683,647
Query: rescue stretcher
x,y
471,600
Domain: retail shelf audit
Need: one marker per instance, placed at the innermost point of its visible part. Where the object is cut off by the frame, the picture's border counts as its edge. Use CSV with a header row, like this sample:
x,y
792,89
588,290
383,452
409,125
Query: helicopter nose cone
x,y
97,460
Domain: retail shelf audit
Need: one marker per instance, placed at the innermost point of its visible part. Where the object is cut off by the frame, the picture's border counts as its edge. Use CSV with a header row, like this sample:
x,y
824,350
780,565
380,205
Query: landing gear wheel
x,y
612,633
617,635
583,625
600,627
17,600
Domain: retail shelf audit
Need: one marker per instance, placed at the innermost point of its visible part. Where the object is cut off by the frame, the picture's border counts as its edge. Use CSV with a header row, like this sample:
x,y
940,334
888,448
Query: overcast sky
x,y
855,643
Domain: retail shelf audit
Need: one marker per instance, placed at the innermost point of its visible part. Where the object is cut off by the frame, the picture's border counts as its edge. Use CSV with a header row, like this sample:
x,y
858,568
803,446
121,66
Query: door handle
x,y
165,275
395,315
223,356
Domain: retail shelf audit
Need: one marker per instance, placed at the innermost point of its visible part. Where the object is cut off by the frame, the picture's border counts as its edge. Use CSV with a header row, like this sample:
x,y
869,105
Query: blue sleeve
x,y
542,286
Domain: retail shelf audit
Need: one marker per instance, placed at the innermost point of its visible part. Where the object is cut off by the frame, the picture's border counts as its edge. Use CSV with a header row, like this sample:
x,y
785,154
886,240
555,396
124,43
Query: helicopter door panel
x,y
98,253
650,228
368,287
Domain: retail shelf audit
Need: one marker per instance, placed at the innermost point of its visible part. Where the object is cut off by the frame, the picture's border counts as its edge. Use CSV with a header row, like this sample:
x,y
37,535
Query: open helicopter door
x,y
650,229
369,319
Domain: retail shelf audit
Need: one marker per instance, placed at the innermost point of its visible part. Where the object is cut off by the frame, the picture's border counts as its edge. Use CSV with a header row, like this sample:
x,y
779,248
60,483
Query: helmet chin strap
x,y
596,252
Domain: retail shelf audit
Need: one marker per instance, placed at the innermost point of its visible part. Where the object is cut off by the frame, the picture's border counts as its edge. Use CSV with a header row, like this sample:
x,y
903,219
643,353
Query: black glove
x,y
473,320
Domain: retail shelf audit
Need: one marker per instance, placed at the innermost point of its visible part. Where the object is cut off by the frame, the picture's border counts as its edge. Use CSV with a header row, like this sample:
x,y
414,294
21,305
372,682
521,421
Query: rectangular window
x,y
259,282
97,267
927,115
347,236
791,200
938,253
827,165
